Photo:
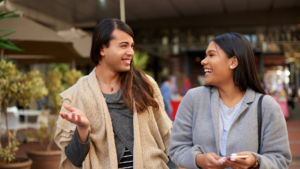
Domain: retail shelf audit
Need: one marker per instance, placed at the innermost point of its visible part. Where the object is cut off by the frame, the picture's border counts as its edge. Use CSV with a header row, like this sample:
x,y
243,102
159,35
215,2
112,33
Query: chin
x,y
125,69
207,82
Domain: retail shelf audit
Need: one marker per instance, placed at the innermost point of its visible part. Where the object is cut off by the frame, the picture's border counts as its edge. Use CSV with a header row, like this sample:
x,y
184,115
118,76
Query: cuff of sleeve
x,y
194,151
258,157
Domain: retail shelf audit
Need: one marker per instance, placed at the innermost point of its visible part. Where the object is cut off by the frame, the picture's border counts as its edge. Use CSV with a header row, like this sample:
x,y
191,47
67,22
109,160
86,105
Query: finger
x,y
73,118
62,115
243,161
234,164
216,163
212,158
222,160
68,107
216,156
68,116
78,119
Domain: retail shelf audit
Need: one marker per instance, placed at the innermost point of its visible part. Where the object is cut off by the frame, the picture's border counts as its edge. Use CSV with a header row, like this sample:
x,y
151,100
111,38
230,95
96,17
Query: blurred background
x,y
170,35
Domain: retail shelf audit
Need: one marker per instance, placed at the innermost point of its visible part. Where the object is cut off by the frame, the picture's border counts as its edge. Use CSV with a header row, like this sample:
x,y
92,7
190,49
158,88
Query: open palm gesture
x,y
75,116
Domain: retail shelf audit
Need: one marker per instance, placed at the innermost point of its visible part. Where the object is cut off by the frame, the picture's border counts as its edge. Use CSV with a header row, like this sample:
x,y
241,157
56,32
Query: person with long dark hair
x,y
217,125
115,116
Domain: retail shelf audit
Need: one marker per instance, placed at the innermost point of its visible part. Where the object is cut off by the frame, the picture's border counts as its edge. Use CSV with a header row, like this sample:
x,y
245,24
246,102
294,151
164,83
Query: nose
x,y
130,51
204,61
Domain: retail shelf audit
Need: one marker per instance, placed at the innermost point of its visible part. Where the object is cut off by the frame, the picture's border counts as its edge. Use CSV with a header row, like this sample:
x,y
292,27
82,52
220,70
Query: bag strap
x,y
259,120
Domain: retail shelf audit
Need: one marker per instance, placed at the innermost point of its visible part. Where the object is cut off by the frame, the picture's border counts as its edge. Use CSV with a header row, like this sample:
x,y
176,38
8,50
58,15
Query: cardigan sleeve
x,y
182,150
77,151
63,136
275,149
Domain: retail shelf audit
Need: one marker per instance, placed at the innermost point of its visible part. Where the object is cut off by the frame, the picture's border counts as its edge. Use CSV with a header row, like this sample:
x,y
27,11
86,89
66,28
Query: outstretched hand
x,y
75,116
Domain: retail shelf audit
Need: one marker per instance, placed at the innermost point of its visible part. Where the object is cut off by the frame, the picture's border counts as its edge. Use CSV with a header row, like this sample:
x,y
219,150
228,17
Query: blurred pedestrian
x,y
218,126
167,95
292,95
186,86
113,118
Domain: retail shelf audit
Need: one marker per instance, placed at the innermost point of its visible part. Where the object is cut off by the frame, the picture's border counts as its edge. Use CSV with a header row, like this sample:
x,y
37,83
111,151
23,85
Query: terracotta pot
x,y
44,159
23,163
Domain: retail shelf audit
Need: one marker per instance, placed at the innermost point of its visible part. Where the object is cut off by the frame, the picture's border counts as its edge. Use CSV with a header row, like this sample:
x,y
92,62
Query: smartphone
x,y
238,157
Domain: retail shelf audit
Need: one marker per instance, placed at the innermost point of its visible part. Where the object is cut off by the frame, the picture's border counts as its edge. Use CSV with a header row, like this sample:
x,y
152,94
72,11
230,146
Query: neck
x,y
106,75
230,94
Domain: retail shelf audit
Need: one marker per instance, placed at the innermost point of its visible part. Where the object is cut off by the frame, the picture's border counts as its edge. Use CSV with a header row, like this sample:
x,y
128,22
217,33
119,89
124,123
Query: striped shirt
x,y
126,161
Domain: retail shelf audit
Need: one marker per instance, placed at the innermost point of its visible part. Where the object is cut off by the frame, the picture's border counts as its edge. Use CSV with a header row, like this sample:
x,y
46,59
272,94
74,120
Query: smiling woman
x,y
221,120
114,117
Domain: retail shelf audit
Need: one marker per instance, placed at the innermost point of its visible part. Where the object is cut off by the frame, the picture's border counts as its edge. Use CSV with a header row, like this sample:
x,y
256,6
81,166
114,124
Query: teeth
x,y
207,70
127,61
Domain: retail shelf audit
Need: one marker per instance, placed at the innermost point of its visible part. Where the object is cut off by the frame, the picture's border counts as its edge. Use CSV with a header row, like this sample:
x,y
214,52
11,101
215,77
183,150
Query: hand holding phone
x,y
236,156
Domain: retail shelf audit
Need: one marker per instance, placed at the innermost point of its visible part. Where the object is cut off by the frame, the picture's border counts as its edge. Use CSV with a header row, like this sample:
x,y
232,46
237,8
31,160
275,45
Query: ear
x,y
102,51
233,62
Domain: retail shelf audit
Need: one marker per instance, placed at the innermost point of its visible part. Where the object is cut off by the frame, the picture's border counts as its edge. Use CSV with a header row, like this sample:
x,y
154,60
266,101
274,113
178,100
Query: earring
x,y
231,67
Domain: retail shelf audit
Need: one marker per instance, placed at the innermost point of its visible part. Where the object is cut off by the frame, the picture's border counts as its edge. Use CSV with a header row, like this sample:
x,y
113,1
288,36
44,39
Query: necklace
x,y
111,87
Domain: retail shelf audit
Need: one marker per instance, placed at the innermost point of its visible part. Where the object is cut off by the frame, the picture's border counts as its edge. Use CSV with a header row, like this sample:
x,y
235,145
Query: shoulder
x,y
154,85
268,102
199,92
152,81
198,95
270,108
69,93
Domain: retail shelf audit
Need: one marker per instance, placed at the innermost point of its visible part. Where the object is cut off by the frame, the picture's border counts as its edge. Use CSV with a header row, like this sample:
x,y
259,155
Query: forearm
x,y
83,134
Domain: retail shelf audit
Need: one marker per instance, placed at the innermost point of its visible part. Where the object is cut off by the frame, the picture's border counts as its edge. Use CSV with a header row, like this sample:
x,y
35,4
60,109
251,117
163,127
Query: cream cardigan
x,y
151,129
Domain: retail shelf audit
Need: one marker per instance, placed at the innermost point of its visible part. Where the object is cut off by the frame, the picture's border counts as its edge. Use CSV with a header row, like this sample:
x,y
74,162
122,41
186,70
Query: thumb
x,y
69,108
215,156
215,160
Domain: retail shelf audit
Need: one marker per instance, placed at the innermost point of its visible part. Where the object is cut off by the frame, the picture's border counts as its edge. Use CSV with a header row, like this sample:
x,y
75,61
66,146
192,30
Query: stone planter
x,y
20,163
44,159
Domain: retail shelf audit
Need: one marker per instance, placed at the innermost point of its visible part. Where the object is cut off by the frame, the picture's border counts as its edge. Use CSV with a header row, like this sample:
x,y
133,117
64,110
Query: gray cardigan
x,y
196,130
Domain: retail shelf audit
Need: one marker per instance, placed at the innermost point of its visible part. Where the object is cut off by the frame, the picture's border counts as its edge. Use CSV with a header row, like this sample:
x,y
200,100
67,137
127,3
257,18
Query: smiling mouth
x,y
208,71
127,61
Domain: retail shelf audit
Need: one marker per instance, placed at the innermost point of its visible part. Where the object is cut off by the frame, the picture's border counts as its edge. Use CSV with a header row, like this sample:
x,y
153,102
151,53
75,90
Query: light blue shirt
x,y
227,116
166,91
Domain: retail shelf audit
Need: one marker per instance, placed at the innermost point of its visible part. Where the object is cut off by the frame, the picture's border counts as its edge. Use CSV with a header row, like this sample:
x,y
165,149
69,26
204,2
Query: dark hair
x,y
134,83
235,44
103,34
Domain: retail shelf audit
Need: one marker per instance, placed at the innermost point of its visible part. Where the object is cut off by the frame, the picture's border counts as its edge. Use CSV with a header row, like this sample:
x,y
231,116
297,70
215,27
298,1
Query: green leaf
x,y
6,44
11,32
7,30
10,16
5,13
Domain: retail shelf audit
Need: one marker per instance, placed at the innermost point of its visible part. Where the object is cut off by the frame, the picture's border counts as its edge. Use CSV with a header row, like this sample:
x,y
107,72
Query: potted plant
x,y
58,80
15,86
140,60
21,87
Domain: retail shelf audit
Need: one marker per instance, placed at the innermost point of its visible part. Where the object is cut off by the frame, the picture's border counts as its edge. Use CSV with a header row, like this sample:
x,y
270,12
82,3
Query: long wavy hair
x,y
235,44
135,86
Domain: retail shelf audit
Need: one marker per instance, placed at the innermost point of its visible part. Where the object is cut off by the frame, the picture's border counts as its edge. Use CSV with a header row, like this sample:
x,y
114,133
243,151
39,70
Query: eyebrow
x,y
211,51
126,43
